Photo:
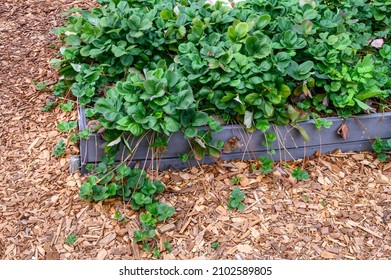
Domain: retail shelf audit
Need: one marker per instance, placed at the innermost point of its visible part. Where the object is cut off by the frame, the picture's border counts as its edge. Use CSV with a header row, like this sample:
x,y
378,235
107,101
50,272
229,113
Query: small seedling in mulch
x,y
215,245
235,199
41,86
156,253
167,245
323,202
235,180
119,216
146,247
267,165
48,107
71,238
164,211
147,219
381,147
306,198
143,235
59,149
67,107
300,175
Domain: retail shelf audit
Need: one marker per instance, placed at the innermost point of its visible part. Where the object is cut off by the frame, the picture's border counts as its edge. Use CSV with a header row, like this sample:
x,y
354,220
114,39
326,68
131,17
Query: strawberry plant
x,y
235,199
173,63
41,86
322,123
382,148
235,180
119,216
66,126
159,67
300,175
67,107
156,253
59,149
48,106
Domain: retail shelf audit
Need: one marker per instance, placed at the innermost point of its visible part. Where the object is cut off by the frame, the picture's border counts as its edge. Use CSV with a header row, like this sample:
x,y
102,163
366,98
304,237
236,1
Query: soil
x,y
342,212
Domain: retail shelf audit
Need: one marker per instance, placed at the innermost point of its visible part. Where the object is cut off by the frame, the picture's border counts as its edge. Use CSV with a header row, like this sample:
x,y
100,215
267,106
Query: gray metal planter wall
x,y
289,145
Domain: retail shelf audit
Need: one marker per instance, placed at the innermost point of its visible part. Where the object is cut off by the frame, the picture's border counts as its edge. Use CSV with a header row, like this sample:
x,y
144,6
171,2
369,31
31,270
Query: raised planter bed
x,y
289,145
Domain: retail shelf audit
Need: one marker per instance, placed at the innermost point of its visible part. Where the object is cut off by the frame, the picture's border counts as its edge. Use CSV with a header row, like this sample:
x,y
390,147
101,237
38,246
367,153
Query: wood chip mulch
x,y
343,212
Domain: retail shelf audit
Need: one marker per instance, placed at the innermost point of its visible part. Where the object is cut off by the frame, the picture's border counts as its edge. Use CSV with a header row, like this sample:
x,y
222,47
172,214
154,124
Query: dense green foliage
x,y
164,66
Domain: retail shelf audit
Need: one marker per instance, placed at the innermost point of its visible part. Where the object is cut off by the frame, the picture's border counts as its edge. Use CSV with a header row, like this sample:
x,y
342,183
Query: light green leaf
x,y
136,129
241,30
251,98
172,78
310,14
362,105
293,113
114,142
368,93
284,91
73,40
262,125
248,119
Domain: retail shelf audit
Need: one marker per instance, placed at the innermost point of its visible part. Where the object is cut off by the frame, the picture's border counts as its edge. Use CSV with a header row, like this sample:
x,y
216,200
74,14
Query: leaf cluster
x,y
71,238
142,66
168,66
235,199
130,184
382,147
300,174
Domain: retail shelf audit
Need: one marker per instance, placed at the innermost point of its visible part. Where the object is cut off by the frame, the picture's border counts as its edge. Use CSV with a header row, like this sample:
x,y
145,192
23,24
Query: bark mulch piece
x,y
343,212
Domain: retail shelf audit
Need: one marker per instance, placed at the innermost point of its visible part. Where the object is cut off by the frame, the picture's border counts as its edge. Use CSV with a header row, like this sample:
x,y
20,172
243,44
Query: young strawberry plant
x,y
300,174
59,149
235,199
266,165
382,148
